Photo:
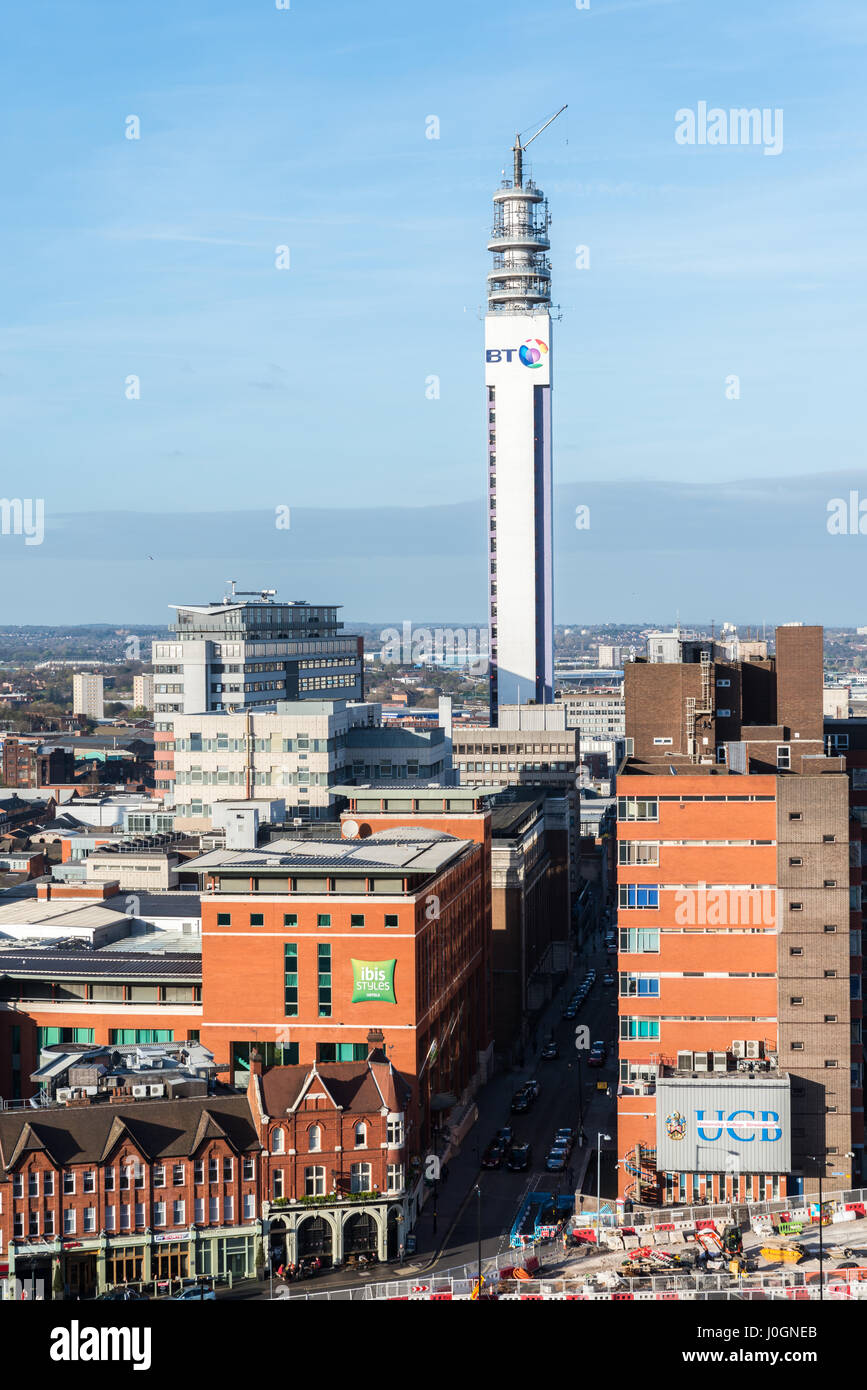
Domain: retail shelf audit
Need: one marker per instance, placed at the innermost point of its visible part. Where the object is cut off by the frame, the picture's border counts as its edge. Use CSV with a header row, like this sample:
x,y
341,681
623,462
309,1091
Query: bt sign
x,y
767,1123
532,353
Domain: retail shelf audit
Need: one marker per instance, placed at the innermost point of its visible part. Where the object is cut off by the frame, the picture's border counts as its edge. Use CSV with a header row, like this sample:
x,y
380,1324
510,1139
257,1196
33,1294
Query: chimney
x,y
255,1063
43,891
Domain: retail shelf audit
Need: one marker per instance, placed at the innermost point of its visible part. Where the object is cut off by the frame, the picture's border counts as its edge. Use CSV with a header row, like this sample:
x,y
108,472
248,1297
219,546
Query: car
x,y
123,1296
608,979
494,1154
534,1088
556,1160
570,1012
598,1054
520,1158
564,1138
506,1136
521,1102
195,1293
550,1052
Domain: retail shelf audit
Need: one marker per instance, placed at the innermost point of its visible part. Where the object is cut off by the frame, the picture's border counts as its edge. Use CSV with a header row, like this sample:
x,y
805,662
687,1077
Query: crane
x,y
518,149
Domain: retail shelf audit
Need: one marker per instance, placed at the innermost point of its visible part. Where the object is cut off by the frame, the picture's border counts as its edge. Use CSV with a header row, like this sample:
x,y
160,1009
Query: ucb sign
x,y
743,1126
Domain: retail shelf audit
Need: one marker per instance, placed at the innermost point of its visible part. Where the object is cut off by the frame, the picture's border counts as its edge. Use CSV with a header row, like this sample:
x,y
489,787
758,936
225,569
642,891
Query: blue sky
x,y
306,387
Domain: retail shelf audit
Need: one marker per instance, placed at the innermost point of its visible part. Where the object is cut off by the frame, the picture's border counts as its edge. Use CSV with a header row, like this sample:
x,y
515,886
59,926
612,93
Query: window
x,y
224,919
48,1223
290,919
323,919
228,1210
794,815
249,1172
797,1047
637,808
795,862
249,1206
361,1135
178,1174
213,1169
796,1000
391,919
159,1175
277,1179
662,740
314,1182
33,1184
784,757
33,1223
108,1180
796,950
324,966
639,939
356,919
723,685
830,1061
139,1175
278,1141
796,907
69,1184
290,979
829,839
257,919
199,1171
314,1139
213,1209
394,1134
829,883
360,1177
642,985
69,1221
631,1028
829,927
159,1213
48,1183
723,714
831,1018
638,895
228,1170
179,1208
109,1216
395,1177
637,852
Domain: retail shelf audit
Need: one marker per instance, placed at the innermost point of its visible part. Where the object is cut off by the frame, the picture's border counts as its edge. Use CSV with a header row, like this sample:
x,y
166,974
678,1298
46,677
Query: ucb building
x,y
737,1128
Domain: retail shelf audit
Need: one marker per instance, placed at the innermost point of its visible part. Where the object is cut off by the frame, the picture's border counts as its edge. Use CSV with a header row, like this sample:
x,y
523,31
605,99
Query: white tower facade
x,y
518,379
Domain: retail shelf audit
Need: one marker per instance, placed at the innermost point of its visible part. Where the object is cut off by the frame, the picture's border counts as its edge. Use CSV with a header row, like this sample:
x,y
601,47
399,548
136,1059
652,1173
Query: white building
x,y
295,752
87,695
143,691
518,377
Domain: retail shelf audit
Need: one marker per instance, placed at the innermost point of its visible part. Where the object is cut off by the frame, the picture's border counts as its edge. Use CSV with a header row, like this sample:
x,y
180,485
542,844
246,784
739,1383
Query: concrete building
x,y
87,695
595,713
518,381
295,751
143,691
735,952
245,651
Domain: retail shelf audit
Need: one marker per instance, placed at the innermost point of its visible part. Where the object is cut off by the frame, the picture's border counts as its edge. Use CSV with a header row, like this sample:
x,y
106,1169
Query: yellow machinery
x,y
783,1254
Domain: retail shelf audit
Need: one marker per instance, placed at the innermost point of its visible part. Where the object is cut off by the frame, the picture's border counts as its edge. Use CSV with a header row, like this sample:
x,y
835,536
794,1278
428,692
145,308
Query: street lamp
x,y
599,1138
479,1236
822,1159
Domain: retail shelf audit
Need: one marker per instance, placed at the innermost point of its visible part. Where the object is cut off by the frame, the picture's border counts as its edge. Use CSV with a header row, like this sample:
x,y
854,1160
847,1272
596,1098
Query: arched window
x,y
361,1135
314,1134
277,1142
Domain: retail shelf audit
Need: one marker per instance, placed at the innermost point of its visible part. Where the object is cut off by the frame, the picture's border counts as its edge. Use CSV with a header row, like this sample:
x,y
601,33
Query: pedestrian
x,y
581,1201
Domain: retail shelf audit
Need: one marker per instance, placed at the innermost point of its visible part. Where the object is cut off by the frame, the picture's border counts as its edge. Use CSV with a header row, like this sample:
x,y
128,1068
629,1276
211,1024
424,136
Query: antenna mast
x,y
518,148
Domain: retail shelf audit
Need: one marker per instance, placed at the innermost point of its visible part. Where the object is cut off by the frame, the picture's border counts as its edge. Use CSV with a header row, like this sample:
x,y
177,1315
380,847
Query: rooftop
x,y
407,852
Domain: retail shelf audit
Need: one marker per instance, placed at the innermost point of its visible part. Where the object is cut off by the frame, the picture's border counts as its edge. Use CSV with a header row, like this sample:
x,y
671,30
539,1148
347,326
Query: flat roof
x,y
38,963
378,852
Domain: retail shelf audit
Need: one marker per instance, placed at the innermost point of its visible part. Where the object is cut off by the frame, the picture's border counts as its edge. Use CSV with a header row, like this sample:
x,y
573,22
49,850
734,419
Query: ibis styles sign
x,y
373,980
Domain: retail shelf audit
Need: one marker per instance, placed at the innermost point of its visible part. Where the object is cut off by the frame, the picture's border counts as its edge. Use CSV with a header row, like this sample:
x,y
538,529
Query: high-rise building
x,y
87,697
518,379
245,651
738,1078
143,691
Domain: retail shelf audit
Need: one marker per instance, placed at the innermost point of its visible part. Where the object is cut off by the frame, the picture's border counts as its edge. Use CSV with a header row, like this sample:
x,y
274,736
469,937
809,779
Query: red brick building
x,y
334,1170
95,1195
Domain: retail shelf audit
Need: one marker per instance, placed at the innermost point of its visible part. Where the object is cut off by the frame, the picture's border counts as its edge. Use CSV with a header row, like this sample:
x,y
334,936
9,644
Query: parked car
x,y
520,1158
556,1160
123,1296
535,1089
598,1054
608,978
550,1052
506,1136
570,1012
493,1155
195,1293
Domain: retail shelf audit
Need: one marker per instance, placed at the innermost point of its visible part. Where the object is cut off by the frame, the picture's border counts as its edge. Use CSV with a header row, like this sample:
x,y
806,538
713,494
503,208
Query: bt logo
x,y
711,1131
530,354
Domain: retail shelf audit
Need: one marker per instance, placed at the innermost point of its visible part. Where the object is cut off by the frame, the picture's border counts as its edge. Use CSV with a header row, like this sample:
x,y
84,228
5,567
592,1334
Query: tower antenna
x,y
518,149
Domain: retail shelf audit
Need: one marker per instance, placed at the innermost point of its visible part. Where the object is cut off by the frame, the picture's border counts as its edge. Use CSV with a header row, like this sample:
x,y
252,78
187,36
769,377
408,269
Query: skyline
x,y
155,258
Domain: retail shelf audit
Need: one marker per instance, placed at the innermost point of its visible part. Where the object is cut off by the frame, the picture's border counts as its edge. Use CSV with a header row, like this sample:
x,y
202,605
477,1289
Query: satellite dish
x,y
349,829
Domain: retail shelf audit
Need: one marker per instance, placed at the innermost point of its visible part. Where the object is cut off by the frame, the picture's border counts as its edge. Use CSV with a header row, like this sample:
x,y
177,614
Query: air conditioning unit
x,y
91,1090
64,1093
720,1061
684,1061
700,1062
739,1048
139,1091
156,1090
754,1048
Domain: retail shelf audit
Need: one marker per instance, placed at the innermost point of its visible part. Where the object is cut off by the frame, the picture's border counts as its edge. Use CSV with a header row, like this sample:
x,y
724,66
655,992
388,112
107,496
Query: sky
x,y
147,268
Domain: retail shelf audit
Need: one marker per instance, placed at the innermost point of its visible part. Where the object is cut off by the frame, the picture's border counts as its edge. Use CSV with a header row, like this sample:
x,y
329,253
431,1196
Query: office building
x,y
143,691
738,1078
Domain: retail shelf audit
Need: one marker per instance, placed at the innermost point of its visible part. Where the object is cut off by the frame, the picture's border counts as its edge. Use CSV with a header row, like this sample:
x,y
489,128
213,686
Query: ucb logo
x,y
767,1126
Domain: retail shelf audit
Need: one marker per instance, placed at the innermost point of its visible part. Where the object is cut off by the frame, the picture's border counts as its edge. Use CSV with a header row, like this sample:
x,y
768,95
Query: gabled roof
x,y
208,1128
352,1087
30,1141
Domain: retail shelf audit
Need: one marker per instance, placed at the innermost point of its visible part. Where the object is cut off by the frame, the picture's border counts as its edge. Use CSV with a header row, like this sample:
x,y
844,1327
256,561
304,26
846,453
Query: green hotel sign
x,y
373,980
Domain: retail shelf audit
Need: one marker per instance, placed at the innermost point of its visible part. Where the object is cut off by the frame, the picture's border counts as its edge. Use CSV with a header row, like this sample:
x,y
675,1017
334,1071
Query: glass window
x,y
314,1182
361,1135
360,1178
314,1139
290,979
